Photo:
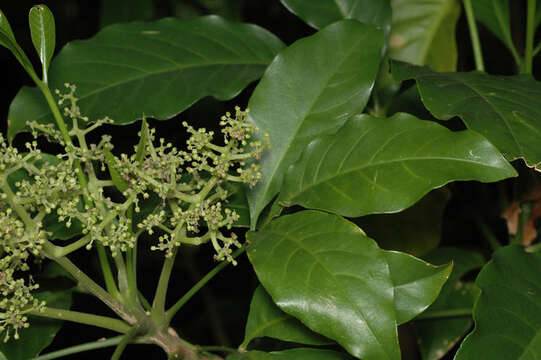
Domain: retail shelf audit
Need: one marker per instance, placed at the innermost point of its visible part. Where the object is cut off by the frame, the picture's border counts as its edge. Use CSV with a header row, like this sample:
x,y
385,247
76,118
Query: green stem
x,y
88,284
476,44
530,33
183,300
217,348
100,344
158,305
537,49
83,318
439,314
108,277
126,339
68,249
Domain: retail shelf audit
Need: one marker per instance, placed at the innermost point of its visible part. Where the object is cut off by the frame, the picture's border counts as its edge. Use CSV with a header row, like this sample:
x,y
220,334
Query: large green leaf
x,y
507,314
266,319
423,32
438,336
41,332
495,15
311,88
125,10
416,283
416,230
504,109
324,12
324,271
158,69
42,30
374,165
292,354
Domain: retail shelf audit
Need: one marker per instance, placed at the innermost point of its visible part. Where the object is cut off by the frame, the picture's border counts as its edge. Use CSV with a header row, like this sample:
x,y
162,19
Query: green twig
x,y
158,305
87,283
439,314
100,344
108,277
530,33
183,300
474,36
83,318
126,339
523,217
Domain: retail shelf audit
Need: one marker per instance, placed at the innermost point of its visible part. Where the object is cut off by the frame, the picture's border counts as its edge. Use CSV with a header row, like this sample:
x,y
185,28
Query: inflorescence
x,y
189,183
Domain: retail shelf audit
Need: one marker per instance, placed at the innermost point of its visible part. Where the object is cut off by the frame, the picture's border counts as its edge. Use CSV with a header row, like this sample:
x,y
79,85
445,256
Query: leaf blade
x,y
374,165
329,62
315,280
158,69
43,33
508,320
504,109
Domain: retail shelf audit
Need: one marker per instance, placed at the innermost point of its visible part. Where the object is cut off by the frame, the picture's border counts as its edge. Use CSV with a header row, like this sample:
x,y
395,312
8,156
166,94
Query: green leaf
x,y
319,14
266,319
423,32
125,10
495,15
504,109
416,230
416,283
158,69
7,40
374,165
292,354
41,332
311,88
438,336
324,271
120,183
42,30
507,314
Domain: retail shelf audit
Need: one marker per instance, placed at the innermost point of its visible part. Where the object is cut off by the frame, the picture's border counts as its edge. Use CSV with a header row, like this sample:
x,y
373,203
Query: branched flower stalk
x,y
190,184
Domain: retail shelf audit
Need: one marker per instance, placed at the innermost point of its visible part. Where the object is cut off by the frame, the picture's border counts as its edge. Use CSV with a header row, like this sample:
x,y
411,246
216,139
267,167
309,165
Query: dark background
x,y
218,313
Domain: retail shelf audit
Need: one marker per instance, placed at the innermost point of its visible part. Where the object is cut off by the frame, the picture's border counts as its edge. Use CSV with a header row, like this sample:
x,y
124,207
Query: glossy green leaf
x,y
423,32
158,69
125,10
311,88
42,30
41,331
324,271
416,283
495,15
319,14
266,319
437,336
374,165
416,230
504,109
292,354
7,40
507,314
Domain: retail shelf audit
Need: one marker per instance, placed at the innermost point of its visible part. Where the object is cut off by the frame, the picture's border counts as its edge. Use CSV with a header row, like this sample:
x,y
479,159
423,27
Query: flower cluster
x,y
189,183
